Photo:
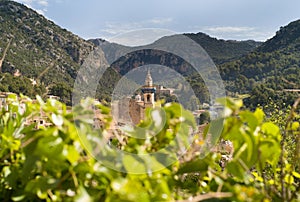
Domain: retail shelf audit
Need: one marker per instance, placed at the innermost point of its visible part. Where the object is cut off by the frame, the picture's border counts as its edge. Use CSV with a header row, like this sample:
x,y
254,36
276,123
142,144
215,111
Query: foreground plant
x,y
55,163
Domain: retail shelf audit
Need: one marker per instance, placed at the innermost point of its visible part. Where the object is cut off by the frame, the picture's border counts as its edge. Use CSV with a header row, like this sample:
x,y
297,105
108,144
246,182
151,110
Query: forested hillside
x,y
50,151
266,71
222,51
269,71
48,57
39,49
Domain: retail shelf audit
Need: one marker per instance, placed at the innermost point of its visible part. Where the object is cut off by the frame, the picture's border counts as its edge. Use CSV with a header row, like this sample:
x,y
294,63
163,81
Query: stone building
x,y
138,105
3,100
132,110
39,119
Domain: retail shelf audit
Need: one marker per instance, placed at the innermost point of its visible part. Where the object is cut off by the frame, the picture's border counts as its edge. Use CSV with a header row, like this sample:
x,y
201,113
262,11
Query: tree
x,y
63,91
204,118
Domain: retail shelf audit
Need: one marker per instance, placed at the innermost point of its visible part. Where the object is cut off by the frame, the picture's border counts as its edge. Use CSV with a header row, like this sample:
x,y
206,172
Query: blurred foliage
x,y
54,163
204,117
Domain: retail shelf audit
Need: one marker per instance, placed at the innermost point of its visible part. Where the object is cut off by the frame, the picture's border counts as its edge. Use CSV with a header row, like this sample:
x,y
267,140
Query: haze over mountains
x,y
50,55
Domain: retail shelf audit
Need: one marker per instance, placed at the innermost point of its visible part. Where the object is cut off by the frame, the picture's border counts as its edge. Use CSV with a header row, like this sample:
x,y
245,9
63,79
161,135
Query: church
x,y
138,105
132,110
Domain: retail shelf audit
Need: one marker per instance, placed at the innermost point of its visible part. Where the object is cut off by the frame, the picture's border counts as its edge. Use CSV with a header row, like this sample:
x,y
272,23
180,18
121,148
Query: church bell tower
x,y
149,91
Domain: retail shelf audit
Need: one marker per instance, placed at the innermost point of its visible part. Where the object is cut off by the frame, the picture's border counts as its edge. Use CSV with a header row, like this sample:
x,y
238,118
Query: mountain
x,y
39,57
39,49
219,50
286,37
222,51
266,71
270,71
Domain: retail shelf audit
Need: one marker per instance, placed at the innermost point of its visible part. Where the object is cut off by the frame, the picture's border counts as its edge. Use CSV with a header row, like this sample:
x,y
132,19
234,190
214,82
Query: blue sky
x,y
227,19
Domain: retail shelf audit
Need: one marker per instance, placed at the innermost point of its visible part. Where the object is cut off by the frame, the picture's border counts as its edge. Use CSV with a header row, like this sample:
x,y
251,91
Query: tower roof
x,y
149,81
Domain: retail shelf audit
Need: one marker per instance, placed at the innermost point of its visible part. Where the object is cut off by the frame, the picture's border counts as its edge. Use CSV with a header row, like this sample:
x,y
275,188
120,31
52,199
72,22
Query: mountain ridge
x,y
40,49
266,72
37,28
220,50
284,37
45,52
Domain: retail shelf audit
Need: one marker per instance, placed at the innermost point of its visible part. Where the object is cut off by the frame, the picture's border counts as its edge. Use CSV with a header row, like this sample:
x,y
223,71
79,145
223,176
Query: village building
x,y
132,110
40,119
3,99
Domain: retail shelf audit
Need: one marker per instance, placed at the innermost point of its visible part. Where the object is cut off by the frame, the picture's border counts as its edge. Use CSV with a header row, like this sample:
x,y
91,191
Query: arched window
x,y
148,98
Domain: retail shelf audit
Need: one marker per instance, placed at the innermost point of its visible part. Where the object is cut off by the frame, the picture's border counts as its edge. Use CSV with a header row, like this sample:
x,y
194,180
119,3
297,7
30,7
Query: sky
x,y
224,19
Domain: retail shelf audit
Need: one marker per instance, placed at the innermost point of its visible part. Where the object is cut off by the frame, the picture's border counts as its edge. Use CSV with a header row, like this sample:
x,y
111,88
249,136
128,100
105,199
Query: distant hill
x,y
263,70
266,72
43,53
222,51
219,50
286,37
39,49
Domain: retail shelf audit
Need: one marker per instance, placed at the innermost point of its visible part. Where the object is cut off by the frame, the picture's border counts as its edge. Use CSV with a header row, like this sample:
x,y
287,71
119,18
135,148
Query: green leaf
x,y
134,164
51,147
129,189
198,165
269,151
72,154
215,129
18,198
296,174
230,103
295,126
250,119
289,179
235,169
259,114
40,185
271,129
83,195
57,119
249,156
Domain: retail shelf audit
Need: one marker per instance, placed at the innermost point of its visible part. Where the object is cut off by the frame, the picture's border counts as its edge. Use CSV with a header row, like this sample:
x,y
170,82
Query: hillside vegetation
x,y
39,49
50,56
269,70
222,51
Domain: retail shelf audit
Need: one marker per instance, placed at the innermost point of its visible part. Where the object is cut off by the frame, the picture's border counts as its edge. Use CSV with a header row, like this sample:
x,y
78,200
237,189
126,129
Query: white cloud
x,y
238,32
160,21
41,11
39,5
42,2
140,37
229,29
25,1
114,28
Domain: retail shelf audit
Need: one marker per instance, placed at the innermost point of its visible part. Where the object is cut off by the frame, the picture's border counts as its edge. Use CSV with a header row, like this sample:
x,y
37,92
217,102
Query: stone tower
x,y
149,91
137,106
